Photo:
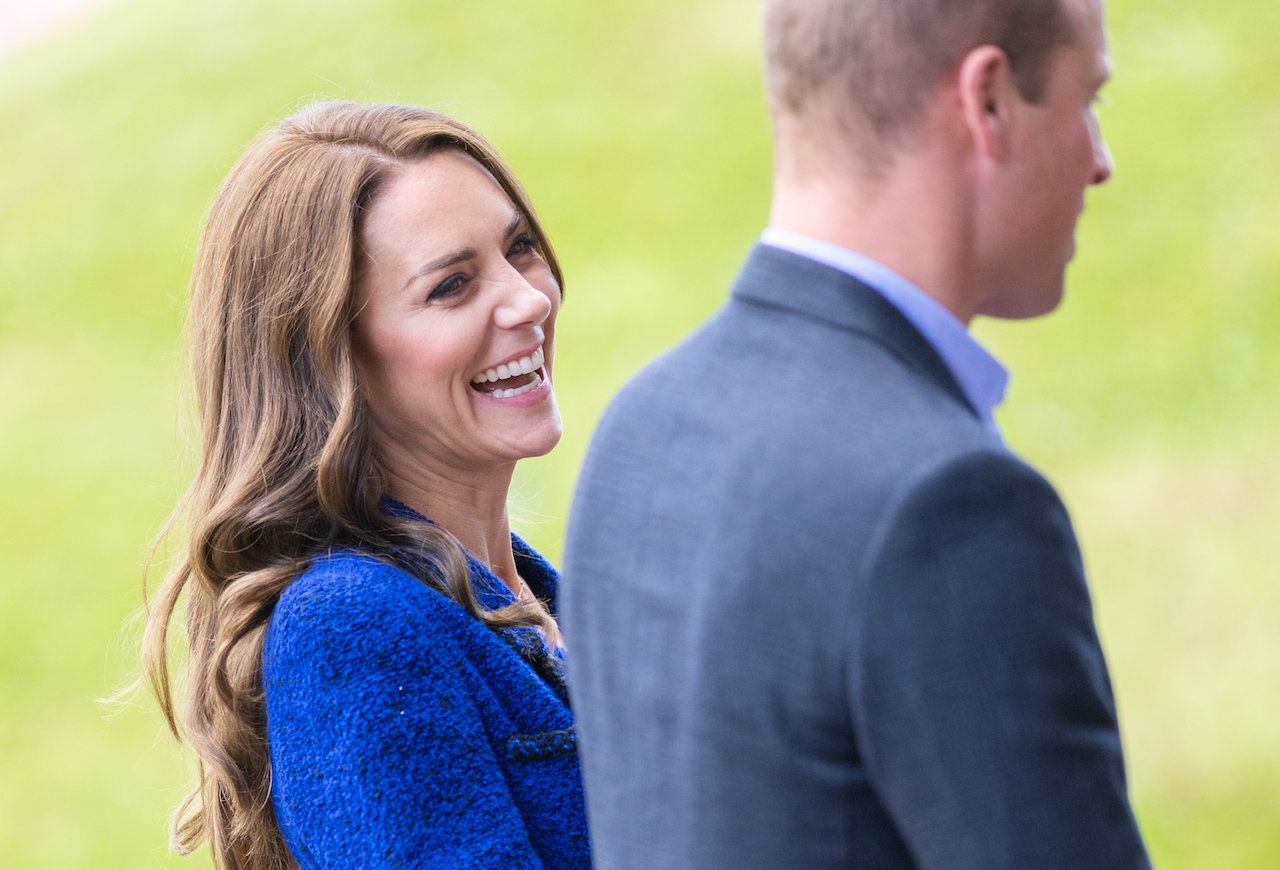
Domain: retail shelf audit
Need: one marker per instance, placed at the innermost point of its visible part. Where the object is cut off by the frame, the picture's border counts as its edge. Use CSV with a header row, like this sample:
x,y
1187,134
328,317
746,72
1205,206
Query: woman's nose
x,y
522,304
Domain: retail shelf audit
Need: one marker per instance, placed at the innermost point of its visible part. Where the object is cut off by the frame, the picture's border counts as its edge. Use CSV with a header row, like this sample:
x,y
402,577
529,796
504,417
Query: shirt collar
x,y
979,374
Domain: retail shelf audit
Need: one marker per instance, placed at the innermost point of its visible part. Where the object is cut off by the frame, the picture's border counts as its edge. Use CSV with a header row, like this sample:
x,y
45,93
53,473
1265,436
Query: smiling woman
x,y
454,341
372,328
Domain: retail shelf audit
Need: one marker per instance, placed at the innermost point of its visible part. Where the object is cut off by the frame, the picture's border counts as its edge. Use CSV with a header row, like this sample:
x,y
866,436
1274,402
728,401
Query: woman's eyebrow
x,y
461,256
516,220
441,263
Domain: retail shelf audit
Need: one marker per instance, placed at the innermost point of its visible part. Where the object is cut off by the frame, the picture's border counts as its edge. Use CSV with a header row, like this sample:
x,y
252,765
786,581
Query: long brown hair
x,y
286,468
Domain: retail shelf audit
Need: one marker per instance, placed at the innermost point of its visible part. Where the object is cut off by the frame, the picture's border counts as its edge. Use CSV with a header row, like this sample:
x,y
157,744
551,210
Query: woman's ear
x,y
988,98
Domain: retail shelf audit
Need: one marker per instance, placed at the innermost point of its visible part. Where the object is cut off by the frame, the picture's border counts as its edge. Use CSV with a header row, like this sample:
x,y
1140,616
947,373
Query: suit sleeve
x,y
378,744
979,692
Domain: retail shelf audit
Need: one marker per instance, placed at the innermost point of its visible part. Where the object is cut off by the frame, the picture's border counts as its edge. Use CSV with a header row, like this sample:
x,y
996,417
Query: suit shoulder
x,y
964,497
876,462
971,469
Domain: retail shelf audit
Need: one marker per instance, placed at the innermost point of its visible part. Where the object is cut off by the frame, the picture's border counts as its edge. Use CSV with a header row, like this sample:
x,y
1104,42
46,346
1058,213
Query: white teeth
x,y
507,394
522,366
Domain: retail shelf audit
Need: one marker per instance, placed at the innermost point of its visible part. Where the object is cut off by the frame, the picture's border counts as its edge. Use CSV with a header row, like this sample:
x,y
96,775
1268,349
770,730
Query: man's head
x,y
951,139
871,64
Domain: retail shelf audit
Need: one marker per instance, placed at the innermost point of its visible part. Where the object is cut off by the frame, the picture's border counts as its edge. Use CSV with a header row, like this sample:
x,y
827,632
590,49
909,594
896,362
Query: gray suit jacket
x,y
819,616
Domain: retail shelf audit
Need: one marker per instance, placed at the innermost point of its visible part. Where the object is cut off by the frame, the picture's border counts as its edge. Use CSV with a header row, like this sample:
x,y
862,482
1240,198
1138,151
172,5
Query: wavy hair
x,y
287,468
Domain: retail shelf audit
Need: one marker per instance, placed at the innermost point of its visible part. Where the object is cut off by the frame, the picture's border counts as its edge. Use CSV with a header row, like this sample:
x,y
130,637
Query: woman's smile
x,y
455,333
516,377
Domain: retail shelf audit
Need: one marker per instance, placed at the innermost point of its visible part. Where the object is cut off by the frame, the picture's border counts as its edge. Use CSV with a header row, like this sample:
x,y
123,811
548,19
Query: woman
x,y
372,321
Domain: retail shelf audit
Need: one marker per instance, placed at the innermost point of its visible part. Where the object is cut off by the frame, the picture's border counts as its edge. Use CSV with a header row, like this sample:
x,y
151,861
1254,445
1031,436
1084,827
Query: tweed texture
x,y
404,733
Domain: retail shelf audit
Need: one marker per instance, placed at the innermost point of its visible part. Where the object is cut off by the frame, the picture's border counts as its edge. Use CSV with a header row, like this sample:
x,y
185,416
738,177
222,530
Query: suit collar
x,y
780,279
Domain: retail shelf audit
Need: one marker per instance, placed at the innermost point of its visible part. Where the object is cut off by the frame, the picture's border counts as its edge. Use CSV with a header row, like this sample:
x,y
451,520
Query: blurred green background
x,y
1149,398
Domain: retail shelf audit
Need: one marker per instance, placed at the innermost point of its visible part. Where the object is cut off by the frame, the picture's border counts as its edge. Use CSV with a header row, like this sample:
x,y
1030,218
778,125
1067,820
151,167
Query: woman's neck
x,y
470,506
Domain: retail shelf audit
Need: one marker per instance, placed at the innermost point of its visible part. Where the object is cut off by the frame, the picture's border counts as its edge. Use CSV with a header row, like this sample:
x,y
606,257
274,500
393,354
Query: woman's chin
x,y
538,439
547,441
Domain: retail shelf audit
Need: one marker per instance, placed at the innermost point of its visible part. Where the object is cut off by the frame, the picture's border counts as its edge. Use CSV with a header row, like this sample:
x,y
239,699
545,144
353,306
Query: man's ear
x,y
988,98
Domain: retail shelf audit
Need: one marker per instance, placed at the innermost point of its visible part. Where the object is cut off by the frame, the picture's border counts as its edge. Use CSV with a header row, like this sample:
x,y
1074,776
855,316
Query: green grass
x,y
639,132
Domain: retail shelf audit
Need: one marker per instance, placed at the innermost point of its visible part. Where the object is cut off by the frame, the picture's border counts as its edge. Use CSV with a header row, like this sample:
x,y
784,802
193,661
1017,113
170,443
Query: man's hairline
x,y
901,135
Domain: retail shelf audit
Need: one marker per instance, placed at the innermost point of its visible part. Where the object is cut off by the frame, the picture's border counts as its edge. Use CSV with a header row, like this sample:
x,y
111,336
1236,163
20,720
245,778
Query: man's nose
x,y
1103,167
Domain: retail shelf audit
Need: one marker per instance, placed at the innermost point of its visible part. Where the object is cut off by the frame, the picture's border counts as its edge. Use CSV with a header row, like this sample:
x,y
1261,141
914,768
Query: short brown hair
x,y
882,56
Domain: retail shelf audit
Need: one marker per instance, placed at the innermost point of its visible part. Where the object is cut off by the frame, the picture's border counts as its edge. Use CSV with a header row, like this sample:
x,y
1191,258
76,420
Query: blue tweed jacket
x,y
404,733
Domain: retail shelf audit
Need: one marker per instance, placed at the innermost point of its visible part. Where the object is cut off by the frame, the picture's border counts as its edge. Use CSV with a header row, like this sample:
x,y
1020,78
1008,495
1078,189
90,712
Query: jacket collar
x,y
543,579
781,279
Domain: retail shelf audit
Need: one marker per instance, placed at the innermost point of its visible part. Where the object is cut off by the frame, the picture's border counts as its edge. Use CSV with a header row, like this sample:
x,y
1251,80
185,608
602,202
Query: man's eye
x,y
447,288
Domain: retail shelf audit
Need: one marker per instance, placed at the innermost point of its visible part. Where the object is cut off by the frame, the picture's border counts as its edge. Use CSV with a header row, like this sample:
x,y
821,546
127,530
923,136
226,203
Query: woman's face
x,y
455,320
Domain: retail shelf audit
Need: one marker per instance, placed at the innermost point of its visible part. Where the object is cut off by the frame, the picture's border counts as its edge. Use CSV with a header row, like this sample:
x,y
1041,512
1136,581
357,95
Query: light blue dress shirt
x,y
979,374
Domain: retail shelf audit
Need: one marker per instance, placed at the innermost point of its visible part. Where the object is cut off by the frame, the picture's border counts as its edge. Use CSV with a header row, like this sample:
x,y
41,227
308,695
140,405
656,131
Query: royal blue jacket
x,y
405,733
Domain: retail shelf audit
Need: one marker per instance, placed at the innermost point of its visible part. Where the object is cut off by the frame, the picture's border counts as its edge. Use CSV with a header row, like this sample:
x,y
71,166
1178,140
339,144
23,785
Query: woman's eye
x,y
524,244
447,288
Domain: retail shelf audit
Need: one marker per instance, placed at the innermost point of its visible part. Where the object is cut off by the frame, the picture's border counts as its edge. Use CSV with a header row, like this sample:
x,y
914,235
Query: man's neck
x,y
913,220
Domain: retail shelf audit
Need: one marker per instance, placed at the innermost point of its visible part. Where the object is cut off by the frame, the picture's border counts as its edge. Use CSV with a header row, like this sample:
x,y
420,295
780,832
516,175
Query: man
x,y
818,614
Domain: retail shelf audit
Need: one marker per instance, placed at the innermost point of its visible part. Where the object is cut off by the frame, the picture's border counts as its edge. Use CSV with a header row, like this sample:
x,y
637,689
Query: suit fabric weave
x,y
820,616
